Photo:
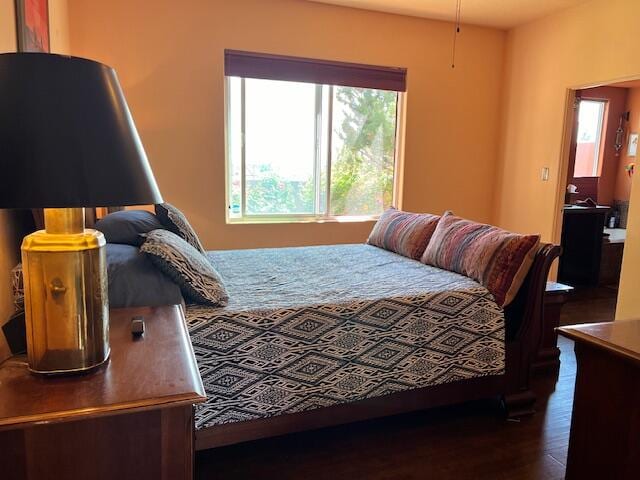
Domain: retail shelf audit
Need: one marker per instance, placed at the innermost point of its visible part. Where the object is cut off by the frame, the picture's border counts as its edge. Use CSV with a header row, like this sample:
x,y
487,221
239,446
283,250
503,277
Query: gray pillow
x,y
175,221
135,282
127,226
189,268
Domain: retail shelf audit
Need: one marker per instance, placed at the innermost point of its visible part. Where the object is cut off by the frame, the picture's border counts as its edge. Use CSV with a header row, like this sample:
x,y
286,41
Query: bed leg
x,y
519,404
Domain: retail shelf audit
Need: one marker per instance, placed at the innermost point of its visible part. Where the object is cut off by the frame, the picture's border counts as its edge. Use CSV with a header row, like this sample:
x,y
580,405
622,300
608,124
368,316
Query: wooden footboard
x,y
523,329
376,407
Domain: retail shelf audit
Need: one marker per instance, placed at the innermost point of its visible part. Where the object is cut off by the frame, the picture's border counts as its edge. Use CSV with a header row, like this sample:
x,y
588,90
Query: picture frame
x,y
32,25
632,149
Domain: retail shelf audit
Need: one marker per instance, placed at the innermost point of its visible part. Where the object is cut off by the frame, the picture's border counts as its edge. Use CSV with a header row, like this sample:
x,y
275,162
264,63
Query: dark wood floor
x,y
470,441
588,305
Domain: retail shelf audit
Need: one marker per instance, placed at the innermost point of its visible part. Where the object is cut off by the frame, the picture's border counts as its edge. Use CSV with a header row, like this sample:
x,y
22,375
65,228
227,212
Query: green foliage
x,y
272,194
361,173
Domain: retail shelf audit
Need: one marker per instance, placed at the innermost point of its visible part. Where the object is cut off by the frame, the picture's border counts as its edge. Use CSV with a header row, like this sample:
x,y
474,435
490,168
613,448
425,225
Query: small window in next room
x,y
310,140
591,119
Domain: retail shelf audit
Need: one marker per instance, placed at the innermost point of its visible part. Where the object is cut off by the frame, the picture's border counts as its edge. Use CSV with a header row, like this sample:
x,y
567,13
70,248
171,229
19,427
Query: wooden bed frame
x,y
524,318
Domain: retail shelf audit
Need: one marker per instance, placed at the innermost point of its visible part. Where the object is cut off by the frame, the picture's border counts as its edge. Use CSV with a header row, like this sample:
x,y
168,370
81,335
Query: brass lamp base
x,y
65,295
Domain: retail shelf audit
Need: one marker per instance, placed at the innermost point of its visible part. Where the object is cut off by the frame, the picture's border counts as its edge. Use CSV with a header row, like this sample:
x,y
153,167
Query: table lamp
x,y
67,141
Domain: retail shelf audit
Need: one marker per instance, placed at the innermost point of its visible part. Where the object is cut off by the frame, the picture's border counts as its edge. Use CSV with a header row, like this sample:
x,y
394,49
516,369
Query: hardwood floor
x,y
589,305
470,441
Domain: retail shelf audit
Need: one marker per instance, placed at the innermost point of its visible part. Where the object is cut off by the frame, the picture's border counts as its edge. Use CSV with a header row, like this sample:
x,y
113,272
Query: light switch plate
x,y
544,175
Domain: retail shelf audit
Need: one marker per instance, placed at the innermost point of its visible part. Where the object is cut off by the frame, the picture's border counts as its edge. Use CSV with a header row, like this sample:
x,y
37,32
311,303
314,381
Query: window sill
x,y
285,220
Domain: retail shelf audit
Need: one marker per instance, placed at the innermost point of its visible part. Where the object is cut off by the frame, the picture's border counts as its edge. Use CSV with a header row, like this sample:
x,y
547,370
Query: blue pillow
x,y
135,282
126,226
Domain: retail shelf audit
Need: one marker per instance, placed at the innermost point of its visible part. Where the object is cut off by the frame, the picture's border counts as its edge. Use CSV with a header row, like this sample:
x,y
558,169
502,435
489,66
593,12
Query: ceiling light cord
x,y
456,32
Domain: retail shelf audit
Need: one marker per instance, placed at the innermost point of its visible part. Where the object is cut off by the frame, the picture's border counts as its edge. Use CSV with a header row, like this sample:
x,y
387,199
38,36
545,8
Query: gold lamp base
x,y
65,288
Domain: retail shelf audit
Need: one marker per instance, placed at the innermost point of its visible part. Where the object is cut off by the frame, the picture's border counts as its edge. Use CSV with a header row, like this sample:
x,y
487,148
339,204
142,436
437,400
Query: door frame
x,y
565,148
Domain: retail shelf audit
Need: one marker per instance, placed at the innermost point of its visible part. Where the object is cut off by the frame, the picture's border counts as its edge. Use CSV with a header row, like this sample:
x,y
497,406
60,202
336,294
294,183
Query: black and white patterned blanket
x,y
316,326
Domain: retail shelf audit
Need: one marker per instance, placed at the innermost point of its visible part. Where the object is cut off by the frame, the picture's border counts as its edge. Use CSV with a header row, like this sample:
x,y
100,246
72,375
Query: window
x,y
591,116
305,151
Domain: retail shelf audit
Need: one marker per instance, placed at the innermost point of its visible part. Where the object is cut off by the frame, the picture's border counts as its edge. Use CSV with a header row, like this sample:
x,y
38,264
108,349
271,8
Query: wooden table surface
x,y
621,337
154,370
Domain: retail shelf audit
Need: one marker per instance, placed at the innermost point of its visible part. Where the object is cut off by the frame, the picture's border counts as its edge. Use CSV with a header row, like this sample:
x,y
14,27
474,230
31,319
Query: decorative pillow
x,y
497,259
174,220
189,268
127,226
404,233
135,282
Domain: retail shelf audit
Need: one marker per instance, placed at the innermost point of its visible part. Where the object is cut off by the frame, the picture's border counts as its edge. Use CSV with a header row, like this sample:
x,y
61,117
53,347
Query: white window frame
x,y
317,216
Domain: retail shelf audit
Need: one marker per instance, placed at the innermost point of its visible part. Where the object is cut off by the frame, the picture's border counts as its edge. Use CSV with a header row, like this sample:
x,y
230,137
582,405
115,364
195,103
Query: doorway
x,y
605,121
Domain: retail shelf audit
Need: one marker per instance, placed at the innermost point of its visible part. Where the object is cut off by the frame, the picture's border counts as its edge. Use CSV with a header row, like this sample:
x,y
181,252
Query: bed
x,y
311,337
318,336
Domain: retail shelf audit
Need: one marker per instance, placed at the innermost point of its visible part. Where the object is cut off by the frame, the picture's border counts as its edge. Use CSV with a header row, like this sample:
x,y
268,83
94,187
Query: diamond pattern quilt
x,y
310,327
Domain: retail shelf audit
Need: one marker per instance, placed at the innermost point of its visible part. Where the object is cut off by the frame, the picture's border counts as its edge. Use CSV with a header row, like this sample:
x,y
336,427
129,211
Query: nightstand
x,y
548,356
132,418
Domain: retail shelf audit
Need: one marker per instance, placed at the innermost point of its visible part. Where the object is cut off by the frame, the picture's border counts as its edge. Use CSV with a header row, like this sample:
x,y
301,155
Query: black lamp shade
x,y
67,138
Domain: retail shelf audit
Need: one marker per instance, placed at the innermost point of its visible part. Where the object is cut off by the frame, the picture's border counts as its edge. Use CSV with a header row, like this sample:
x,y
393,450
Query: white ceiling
x,y
492,13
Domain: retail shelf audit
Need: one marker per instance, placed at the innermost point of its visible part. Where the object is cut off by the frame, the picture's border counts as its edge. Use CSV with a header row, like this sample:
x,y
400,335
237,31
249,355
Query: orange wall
x,y
9,239
594,43
169,57
623,181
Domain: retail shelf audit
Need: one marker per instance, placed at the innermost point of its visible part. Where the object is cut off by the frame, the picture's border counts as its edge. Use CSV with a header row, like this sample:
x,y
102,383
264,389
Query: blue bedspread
x,y
310,327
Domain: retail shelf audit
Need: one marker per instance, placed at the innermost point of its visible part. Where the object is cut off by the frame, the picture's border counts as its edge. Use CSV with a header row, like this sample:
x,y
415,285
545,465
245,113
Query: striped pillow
x,y
497,259
404,233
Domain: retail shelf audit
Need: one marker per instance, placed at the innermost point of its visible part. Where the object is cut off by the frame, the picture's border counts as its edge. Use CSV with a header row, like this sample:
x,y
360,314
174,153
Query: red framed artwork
x,y
32,27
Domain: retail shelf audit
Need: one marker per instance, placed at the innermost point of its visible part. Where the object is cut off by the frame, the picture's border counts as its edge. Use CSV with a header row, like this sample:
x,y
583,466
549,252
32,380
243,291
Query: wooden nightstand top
x,y
156,370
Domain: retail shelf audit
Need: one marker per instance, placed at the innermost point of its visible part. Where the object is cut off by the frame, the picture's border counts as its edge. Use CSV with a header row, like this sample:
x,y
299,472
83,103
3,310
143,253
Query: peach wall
x,y
9,241
59,26
594,43
623,181
169,57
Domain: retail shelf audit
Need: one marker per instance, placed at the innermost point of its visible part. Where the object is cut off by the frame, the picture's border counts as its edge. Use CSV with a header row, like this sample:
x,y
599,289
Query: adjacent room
x,y
284,239
596,207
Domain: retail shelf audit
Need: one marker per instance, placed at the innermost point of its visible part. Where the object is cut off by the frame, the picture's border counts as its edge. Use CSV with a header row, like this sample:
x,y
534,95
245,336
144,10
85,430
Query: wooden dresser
x,y
130,419
605,428
582,234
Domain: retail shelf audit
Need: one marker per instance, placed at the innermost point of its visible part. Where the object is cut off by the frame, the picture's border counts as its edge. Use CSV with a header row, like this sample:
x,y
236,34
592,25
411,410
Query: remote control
x,y
137,326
